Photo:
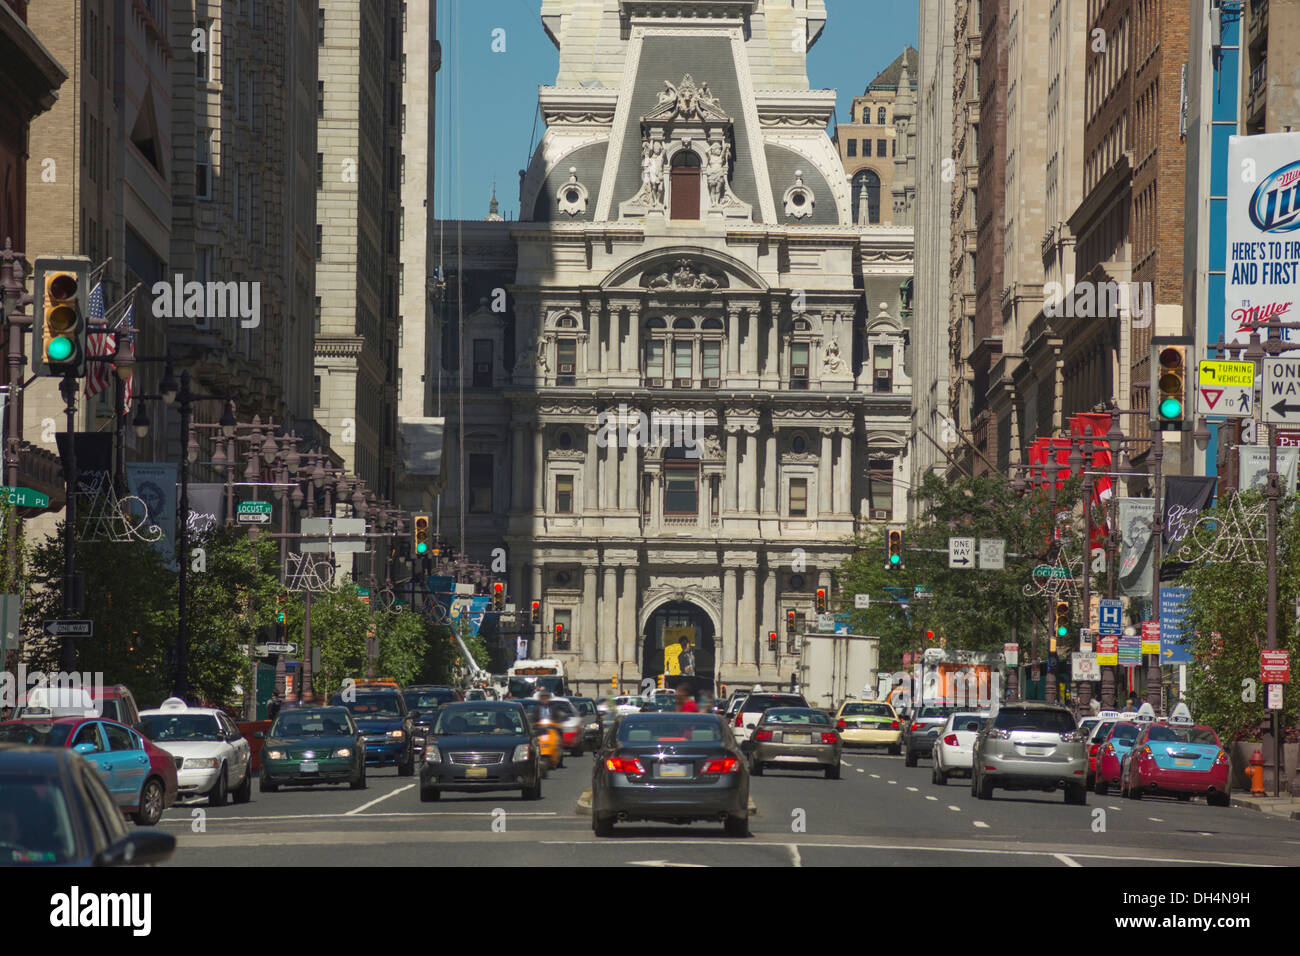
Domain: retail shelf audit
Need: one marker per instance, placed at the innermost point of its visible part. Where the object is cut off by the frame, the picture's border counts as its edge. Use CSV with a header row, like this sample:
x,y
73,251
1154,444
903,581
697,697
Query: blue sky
x,y
487,102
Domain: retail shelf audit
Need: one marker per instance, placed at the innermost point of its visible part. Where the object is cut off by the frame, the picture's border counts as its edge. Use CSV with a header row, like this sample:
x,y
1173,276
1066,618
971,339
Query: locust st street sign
x,y
1281,391
1225,388
253,512
961,553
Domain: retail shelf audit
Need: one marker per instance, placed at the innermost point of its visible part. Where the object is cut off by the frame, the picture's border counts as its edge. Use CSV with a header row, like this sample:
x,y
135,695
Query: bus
x,y
525,677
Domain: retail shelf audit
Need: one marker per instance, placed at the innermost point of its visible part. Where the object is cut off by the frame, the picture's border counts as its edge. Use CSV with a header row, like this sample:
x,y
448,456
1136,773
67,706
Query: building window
x,y
564,494
685,185
320,170
563,629
320,97
866,147
482,363
881,475
866,181
682,363
880,116
853,147
320,242
566,358
799,366
316,316
681,490
882,361
480,484
654,363
880,147
798,497
315,391
320,26
203,164
711,362
202,62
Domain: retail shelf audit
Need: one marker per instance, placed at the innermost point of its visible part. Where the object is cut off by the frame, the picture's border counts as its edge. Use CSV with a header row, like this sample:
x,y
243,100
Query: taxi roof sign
x,y
1181,715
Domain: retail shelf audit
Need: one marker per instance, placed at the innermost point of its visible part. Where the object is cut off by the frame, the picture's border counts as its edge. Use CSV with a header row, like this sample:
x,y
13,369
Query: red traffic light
x,y
929,635
498,587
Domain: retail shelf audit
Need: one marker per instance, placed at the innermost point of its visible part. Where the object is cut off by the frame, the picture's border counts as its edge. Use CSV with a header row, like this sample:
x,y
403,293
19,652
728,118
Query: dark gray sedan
x,y
796,738
478,746
673,768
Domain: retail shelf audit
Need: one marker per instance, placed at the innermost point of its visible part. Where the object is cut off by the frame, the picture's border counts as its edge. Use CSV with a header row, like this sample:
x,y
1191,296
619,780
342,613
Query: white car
x,y
212,757
955,744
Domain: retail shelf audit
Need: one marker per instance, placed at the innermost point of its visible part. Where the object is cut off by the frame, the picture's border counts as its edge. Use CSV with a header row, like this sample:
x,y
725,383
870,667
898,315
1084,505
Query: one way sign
x,y
1281,391
961,552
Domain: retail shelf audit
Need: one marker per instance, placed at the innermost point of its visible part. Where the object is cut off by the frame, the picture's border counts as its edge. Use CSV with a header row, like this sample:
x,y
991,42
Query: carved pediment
x,y
686,102
682,275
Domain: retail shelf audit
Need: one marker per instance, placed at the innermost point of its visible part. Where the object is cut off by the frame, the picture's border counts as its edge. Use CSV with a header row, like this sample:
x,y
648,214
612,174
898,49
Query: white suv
x,y
212,757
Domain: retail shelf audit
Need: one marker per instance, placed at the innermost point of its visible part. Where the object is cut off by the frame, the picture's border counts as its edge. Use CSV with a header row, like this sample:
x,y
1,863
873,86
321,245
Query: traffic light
x,y
498,596
62,305
821,600
280,629
420,543
537,612
1062,619
771,640
1169,385
659,681
789,622
559,635
613,685
894,551
929,637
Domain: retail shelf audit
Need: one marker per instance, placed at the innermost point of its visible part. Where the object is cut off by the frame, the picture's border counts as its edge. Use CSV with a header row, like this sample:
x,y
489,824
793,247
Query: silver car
x,y
1030,745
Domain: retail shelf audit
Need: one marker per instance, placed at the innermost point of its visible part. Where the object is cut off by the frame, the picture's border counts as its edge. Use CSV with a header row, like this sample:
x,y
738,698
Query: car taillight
x,y
740,720
1145,751
1109,751
951,740
722,765
624,765
830,738
761,735
916,726
1222,758
840,724
1092,751
895,725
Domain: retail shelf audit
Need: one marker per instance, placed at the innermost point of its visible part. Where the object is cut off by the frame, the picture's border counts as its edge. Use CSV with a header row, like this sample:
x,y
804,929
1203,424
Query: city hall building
x,y
677,386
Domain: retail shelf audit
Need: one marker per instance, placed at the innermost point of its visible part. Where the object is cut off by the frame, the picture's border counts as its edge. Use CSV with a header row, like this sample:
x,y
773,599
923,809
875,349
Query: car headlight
x,y
522,752
432,756
343,752
201,763
275,754
396,734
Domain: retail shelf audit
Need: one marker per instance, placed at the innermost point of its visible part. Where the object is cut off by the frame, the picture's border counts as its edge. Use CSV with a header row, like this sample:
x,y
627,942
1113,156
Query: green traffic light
x,y
60,349
894,559
1171,408
279,618
1062,632
421,548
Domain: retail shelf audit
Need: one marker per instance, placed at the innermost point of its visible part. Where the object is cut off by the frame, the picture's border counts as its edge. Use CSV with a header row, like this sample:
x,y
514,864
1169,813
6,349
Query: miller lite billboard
x,y
1262,261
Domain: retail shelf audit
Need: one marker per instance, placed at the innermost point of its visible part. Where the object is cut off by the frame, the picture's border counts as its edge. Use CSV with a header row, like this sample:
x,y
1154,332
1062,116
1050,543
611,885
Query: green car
x,y
310,745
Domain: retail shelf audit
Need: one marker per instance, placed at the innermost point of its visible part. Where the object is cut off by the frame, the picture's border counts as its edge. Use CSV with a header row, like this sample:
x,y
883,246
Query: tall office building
x,y
868,143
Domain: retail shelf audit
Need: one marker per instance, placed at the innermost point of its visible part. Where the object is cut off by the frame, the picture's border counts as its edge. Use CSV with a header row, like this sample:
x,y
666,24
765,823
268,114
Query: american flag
x,y
98,374
126,329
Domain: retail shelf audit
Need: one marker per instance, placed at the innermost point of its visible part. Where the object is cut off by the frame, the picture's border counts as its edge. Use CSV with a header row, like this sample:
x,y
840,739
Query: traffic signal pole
x,y
68,386
1158,556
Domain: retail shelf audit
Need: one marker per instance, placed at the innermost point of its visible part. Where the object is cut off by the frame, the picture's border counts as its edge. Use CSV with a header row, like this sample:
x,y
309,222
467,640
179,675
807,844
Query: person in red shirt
x,y
685,702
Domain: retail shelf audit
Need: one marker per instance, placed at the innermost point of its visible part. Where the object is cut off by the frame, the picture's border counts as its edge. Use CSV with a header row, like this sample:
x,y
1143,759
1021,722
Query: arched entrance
x,y
667,630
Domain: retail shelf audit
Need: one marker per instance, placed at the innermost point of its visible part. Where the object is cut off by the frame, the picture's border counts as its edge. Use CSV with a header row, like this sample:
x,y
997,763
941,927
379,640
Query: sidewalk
x,y
1283,806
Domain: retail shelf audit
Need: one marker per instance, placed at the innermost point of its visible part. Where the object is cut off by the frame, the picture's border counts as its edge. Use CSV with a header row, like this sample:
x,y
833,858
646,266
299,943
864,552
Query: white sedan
x,y
955,743
212,757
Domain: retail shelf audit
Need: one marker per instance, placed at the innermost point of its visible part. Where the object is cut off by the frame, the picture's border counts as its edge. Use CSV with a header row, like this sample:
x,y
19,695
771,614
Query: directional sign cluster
x,y
1225,388
992,553
1281,391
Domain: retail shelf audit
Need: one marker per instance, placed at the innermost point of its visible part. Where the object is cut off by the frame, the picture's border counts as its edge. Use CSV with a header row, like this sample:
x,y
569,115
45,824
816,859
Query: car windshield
x,y
756,703
651,730
311,724
36,734
35,826
968,721
427,700
1185,735
794,715
1040,721
1100,731
585,707
933,712
371,705
161,728
111,708
1125,733
867,710
472,721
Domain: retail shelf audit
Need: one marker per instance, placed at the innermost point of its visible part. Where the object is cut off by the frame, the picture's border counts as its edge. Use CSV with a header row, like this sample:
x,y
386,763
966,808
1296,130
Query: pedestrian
x,y
685,702
273,708
686,659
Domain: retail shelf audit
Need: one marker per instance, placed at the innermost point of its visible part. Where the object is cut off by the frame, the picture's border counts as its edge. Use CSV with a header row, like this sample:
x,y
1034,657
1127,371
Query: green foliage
x,y
1230,598
339,622
403,638
973,609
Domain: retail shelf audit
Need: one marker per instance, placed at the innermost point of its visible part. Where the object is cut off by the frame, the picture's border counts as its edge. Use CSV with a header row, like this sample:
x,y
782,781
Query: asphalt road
x,y
880,813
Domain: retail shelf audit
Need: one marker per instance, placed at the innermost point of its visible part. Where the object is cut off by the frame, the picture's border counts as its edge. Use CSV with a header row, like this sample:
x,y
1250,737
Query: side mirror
x,y
138,849
84,748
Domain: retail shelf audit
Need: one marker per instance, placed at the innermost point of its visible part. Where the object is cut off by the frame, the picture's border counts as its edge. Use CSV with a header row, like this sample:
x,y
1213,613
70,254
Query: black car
x,y
56,811
922,730
481,745
670,767
422,703
591,723
383,717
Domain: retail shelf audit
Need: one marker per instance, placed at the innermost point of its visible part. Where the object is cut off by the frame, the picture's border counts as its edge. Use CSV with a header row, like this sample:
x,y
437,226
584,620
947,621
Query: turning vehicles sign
x,y
1225,388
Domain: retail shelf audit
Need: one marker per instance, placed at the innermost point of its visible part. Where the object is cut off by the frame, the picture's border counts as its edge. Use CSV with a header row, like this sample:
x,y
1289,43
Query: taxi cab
x,y
869,723
213,758
1177,757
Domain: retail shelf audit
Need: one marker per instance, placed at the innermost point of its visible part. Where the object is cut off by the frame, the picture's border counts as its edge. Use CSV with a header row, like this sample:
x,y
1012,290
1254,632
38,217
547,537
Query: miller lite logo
x,y
1275,205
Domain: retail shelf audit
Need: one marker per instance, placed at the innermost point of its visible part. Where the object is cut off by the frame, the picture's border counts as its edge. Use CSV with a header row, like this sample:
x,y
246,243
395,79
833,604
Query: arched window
x,y
567,322
712,324
866,180
689,355
684,324
880,116
685,185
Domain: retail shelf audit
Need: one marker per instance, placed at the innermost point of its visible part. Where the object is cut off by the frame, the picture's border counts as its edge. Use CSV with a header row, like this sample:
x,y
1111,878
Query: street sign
x,y
253,512
1150,637
75,628
24,497
1085,667
1110,617
345,533
1274,696
282,648
1225,388
1130,648
1281,391
961,553
1173,612
862,601
1086,638
1011,654
993,554
826,623
1107,651
1275,667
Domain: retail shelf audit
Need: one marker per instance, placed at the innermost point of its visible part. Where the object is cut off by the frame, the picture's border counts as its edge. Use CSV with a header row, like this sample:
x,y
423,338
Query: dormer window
x,y
685,186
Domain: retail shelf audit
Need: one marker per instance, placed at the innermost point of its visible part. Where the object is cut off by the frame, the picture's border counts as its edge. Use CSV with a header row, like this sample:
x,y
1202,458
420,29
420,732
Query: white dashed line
x,y
913,790
1066,860
795,859
875,776
409,786
981,824
928,797
954,809
860,770
893,781
1109,807
1155,820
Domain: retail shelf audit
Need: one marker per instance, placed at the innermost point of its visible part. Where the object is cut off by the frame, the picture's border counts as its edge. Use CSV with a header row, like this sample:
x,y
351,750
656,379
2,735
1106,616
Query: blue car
x,y
385,721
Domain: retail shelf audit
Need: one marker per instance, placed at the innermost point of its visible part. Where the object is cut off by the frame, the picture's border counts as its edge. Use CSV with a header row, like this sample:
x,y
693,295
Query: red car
x,y
140,776
1180,760
1111,751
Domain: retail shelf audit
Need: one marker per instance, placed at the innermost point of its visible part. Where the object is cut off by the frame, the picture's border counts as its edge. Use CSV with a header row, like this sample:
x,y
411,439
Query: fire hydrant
x,y
1255,774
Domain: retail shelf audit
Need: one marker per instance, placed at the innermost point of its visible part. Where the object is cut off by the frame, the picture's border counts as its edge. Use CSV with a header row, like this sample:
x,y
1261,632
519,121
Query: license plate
x,y
310,766
1184,763
475,773
797,738
674,770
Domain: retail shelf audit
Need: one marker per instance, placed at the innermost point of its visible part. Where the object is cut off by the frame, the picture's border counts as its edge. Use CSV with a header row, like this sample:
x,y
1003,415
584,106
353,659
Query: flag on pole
x,y
97,373
126,330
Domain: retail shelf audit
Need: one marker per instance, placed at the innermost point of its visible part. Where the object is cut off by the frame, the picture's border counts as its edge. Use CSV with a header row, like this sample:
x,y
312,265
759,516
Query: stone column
x,y
535,594
733,341
749,350
733,473
627,607
609,479
627,480
587,644
607,639
845,477
769,474
747,630
590,470
769,610
656,501
771,371
751,468
519,461
726,644
824,472
631,343
539,473
595,360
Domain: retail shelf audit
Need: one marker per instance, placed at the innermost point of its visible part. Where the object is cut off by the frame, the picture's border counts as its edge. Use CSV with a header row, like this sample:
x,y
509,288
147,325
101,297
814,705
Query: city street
x,y
879,814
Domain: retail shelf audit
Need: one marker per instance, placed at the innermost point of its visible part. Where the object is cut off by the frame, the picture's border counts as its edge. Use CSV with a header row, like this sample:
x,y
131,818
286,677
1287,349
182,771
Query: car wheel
x,y
895,750
833,773
429,794
408,768
266,786
360,782
1219,799
534,792
757,769
910,760
152,797
939,778
986,789
217,795
244,793
602,824
737,826
1134,793
1076,794
1100,787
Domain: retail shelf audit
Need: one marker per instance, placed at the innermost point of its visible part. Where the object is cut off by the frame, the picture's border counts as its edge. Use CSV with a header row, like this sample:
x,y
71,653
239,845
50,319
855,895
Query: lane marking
x,y
1155,820
928,797
981,824
913,790
893,781
370,816
409,786
875,776
954,809
1067,861
860,770
1111,807
795,858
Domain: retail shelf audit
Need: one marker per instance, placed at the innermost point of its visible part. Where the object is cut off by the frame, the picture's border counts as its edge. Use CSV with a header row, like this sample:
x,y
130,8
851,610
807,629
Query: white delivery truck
x,y
833,667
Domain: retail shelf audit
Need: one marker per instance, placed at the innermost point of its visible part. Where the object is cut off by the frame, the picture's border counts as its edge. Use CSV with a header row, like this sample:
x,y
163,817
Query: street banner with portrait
x,y
154,484
1135,548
